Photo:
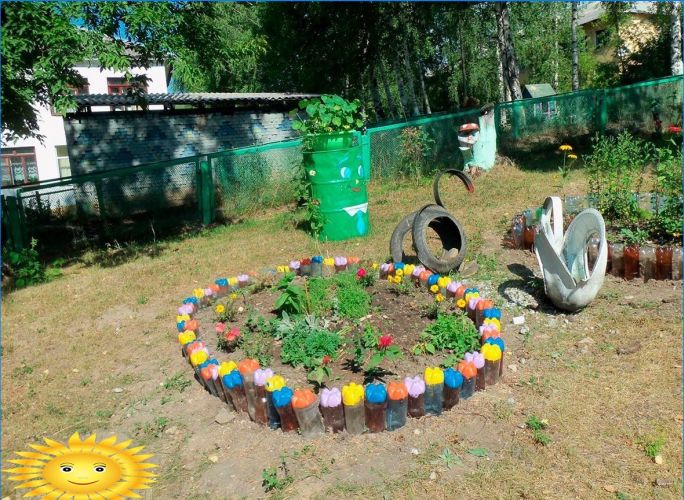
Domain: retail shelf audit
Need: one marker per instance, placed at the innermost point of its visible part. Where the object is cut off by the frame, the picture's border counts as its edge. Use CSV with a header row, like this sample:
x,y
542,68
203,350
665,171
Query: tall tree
x,y
505,41
676,39
43,41
575,48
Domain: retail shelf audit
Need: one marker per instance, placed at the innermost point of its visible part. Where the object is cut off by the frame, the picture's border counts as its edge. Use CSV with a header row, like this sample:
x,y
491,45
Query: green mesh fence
x,y
386,142
143,202
543,123
149,201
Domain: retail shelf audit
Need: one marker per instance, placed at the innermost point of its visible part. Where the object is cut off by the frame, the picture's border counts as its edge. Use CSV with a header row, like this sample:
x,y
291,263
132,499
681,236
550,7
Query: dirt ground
x,y
95,351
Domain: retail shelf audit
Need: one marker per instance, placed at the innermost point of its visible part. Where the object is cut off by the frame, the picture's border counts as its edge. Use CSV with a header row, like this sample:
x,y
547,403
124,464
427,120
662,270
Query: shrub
x,y
616,167
352,301
416,145
24,267
667,223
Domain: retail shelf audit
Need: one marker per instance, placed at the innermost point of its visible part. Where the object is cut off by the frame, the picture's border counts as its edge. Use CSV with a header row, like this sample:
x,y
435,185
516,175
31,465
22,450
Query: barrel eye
x,y
360,170
345,172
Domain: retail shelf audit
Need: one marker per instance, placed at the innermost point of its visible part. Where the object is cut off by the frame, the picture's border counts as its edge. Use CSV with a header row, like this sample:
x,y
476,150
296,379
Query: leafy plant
x,y
633,237
453,332
537,426
292,300
616,168
351,298
276,478
327,114
449,459
652,446
416,145
225,311
667,223
257,344
25,268
178,382
564,169
307,342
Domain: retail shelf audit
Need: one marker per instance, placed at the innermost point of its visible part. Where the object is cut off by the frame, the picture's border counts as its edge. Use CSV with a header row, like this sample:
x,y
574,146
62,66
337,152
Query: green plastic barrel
x,y
338,182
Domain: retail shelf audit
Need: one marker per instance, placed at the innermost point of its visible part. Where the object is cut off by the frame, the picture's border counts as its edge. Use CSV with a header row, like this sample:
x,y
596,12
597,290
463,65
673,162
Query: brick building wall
x,y
103,141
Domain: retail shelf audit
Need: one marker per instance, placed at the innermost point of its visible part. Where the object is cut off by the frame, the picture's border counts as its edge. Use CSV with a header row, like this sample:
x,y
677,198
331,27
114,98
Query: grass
x,y
589,397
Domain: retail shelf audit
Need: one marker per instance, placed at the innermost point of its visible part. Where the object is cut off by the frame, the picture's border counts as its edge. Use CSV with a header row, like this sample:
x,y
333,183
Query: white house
x,y
28,160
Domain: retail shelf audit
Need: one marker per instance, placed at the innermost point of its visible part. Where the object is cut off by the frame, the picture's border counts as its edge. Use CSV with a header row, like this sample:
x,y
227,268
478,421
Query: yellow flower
x,y
374,266
572,156
399,272
434,289
233,296
439,297
566,147
220,309
460,303
397,279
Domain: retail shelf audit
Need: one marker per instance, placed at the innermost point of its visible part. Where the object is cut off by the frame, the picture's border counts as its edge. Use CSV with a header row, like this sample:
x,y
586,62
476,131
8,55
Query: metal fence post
x,y
206,191
14,223
366,154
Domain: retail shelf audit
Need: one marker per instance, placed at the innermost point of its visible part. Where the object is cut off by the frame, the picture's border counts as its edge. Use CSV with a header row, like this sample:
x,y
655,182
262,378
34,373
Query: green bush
x,y
352,301
416,145
667,222
24,267
616,167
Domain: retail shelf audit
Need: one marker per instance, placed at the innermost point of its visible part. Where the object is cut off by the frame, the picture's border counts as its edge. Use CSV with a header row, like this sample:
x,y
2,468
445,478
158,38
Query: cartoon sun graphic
x,y
82,469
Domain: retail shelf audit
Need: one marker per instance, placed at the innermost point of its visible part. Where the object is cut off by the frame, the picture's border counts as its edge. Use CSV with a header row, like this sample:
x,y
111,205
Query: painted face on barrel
x,y
353,174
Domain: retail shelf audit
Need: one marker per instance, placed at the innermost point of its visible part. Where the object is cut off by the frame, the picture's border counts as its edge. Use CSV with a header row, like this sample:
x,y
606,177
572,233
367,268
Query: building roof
x,y
539,89
591,11
192,98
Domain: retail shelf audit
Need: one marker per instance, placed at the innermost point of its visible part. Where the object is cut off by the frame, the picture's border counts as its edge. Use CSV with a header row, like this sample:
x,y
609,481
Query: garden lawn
x,y
96,351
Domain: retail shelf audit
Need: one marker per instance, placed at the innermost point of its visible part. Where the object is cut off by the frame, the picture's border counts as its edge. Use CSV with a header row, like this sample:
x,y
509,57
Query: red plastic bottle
x,y
631,261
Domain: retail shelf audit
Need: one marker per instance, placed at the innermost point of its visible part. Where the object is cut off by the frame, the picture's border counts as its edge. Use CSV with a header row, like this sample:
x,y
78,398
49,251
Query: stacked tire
x,y
433,217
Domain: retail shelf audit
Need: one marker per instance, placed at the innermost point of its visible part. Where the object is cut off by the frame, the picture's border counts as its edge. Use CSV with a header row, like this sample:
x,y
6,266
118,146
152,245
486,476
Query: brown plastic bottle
x,y
375,416
416,406
663,257
451,397
288,418
617,252
677,263
631,261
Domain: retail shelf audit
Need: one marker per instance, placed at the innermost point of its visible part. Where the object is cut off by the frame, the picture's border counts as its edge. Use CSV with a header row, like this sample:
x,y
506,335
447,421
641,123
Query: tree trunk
x,y
676,39
410,82
375,94
508,60
389,98
556,53
400,87
464,73
426,101
575,49
504,91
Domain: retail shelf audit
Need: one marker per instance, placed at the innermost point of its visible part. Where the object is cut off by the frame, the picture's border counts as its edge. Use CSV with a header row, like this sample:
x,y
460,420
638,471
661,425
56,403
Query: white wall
x,y
52,127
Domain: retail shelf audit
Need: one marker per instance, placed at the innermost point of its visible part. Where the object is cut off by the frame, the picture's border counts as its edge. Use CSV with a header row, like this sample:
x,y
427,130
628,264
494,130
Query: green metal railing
x,y
154,199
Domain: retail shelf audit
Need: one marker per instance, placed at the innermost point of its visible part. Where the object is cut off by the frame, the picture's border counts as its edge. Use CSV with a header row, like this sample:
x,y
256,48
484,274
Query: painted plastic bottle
x,y
469,373
234,384
647,263
492,355
305,267
247,367
453,380
478,361
317,265
528,231
224,369
415,275
502,346
261,400
328,266
185,339
354,414
353,264
295,267
434,390
416,396
332,410
282,400
617,263
397,406
305,405
663,256
275,383
631,262
340,264
210,374
677,263
222,284
480,308
375,407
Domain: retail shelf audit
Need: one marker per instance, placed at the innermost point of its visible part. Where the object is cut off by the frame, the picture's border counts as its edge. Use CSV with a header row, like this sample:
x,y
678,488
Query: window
x,y
19,166
121,86
602,38
63,161
85,89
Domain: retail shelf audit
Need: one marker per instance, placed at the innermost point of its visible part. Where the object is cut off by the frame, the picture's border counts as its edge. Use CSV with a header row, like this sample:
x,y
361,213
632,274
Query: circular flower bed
x,y
337,344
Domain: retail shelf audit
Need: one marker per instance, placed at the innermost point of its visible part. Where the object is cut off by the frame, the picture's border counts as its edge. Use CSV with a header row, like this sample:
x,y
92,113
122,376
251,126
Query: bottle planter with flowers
x,y
334,193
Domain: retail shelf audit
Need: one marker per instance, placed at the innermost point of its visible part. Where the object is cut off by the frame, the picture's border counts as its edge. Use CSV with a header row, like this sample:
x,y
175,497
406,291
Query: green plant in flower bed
x,y
616,167
318,296
371,349
449,332
307,342
667,223
352,301
257,341
292,300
